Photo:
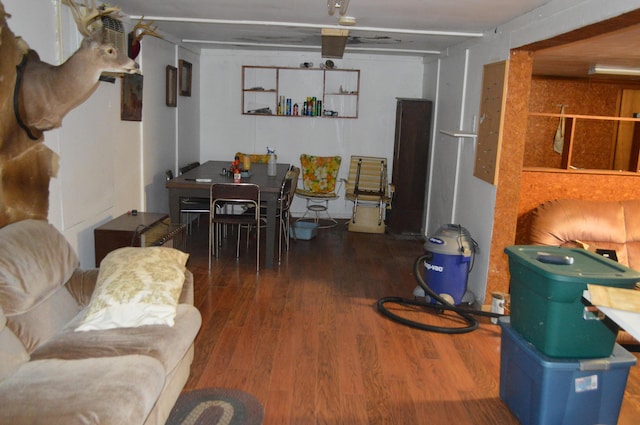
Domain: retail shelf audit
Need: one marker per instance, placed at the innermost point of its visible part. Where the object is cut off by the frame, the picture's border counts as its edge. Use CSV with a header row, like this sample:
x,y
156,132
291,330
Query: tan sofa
x,y
52,374
609,225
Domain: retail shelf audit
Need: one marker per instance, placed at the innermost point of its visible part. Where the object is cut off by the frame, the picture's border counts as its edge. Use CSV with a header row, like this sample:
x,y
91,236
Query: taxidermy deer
x,y
50,92
35,97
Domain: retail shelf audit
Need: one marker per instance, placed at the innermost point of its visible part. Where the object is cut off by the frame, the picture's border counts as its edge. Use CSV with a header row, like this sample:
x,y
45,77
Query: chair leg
x,y
238,241
354,211
317,208
258,246
211,224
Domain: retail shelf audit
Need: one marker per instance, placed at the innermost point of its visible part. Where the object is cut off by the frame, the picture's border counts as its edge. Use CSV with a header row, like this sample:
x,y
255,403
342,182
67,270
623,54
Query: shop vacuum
x,y
442,273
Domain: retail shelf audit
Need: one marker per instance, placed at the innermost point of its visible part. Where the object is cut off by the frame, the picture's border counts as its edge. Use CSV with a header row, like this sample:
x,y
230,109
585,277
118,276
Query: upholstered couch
x,y
607,225
52,373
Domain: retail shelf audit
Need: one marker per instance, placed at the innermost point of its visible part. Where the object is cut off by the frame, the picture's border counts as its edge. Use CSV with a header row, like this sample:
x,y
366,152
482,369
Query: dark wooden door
x,y
410,165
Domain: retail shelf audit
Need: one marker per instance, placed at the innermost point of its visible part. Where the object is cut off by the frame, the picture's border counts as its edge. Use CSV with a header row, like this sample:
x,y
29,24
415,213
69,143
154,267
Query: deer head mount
x,y
140,30
48,93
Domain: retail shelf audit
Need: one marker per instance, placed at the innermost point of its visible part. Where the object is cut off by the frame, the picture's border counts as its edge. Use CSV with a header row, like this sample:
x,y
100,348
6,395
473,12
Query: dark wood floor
x,y
308,342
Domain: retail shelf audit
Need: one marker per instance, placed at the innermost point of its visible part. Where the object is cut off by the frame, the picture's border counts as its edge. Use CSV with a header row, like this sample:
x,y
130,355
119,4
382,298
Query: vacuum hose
x,y
466,314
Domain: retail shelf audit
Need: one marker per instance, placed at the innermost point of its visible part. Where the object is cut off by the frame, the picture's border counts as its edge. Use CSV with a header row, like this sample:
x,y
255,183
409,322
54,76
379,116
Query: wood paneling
x,y
594,140
511,157
491,118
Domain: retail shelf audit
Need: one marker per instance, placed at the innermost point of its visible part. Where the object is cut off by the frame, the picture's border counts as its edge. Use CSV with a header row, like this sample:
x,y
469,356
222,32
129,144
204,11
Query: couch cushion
x,y
136,286
167,344
12,352
120,390
35,260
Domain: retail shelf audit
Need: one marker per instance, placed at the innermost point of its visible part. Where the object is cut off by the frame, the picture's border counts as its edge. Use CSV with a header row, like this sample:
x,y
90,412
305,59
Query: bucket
x,y
446,269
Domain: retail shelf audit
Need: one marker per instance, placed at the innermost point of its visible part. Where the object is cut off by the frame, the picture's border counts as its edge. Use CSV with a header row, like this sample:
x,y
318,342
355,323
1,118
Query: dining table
x,y
197,183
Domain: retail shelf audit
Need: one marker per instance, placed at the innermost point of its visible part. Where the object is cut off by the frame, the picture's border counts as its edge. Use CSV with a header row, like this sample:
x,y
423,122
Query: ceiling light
x,y
341,5
333,42
613,70
347,21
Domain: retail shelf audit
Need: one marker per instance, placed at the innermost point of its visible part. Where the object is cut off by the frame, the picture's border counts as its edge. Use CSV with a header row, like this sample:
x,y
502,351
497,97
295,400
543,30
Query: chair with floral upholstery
x,y
319,180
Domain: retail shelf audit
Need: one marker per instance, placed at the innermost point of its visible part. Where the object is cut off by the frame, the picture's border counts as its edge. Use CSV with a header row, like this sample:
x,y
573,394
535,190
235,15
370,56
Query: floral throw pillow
x,y
136,287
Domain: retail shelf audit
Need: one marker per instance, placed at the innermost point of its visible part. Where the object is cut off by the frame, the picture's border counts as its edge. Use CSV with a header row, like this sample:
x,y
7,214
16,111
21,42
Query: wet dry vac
x,y
442,274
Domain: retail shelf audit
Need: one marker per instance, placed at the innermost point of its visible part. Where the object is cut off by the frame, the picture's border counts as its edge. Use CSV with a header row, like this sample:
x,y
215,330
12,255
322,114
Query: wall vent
x,y
113,32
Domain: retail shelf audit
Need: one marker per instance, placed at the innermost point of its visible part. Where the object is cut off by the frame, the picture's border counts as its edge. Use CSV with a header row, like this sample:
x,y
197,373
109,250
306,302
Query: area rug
x,y
216,406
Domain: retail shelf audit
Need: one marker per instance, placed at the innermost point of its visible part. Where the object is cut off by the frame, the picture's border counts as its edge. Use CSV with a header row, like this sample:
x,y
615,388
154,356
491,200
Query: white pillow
x,y
135,287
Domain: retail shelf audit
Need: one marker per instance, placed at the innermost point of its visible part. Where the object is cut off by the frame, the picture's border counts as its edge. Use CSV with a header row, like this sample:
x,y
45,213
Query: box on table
x,y
304,230
546,300
540,390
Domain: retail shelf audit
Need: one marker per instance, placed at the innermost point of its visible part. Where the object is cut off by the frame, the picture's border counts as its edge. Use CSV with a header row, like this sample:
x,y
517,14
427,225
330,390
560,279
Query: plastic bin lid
x,y
619,357
586,265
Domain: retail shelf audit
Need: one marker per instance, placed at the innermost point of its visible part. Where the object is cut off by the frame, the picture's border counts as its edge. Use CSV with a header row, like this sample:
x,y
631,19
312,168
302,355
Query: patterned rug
x,y
216,406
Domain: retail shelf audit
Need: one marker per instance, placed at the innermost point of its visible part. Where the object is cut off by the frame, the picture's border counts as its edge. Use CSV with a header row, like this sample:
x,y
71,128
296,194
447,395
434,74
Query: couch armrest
x,y
186,297
81,285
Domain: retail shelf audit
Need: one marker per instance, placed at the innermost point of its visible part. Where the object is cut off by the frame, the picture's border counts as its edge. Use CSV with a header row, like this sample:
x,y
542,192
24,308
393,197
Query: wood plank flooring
x,y
308,342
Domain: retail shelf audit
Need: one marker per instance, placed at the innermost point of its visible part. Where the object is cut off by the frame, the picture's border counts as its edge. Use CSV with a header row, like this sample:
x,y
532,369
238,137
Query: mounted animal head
x,y
48,93
140,30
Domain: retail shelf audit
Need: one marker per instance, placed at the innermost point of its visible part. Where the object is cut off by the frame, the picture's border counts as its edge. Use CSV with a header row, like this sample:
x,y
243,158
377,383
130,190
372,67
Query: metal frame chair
x,y
287,192
225,194
319,181
189,206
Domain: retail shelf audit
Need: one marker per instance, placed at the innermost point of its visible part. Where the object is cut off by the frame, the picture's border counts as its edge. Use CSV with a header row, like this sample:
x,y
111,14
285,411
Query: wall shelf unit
x,y
319,93
571,147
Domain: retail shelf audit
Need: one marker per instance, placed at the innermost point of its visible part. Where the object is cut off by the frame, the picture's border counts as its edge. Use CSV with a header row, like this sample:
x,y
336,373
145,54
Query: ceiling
x,y
620,48
416,27
408,27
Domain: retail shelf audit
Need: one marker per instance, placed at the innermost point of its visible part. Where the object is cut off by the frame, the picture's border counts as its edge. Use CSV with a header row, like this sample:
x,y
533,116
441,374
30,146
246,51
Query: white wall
x,y
225,131
459,102
107,166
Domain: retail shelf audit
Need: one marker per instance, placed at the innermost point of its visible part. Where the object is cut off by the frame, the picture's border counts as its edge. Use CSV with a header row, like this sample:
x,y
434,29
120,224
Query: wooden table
x,y
197,183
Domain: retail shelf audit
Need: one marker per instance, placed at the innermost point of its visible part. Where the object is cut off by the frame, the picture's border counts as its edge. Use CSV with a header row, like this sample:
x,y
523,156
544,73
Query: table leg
x,y
174,206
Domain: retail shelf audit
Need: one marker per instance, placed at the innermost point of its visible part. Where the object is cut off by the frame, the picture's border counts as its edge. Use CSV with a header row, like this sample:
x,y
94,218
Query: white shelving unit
x,y
336,90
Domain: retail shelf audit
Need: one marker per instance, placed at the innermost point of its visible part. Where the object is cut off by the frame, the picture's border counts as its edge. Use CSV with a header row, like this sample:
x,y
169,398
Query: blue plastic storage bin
x,y
303,230
542,390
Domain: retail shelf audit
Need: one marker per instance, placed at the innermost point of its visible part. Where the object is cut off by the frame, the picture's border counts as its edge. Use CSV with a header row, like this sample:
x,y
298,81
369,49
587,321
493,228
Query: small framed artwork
x,y
131,108
172,86
185,77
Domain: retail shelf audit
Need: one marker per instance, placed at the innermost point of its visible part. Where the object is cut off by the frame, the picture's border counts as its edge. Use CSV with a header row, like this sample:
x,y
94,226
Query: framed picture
x,y
131,108
172,86
185,77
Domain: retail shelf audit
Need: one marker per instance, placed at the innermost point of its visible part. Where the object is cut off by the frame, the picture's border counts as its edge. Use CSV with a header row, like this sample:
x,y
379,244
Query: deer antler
x,y
88,20
141,29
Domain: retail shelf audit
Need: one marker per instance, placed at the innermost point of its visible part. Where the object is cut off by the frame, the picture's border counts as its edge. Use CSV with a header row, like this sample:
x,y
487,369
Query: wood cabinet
x,y
410,164
142,229
275,91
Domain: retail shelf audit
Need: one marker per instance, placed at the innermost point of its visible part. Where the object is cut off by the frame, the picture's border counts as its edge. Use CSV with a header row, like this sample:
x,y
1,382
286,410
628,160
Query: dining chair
x,y
226,194
189,166
319,181
192,205
368,188
255,157
287,192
